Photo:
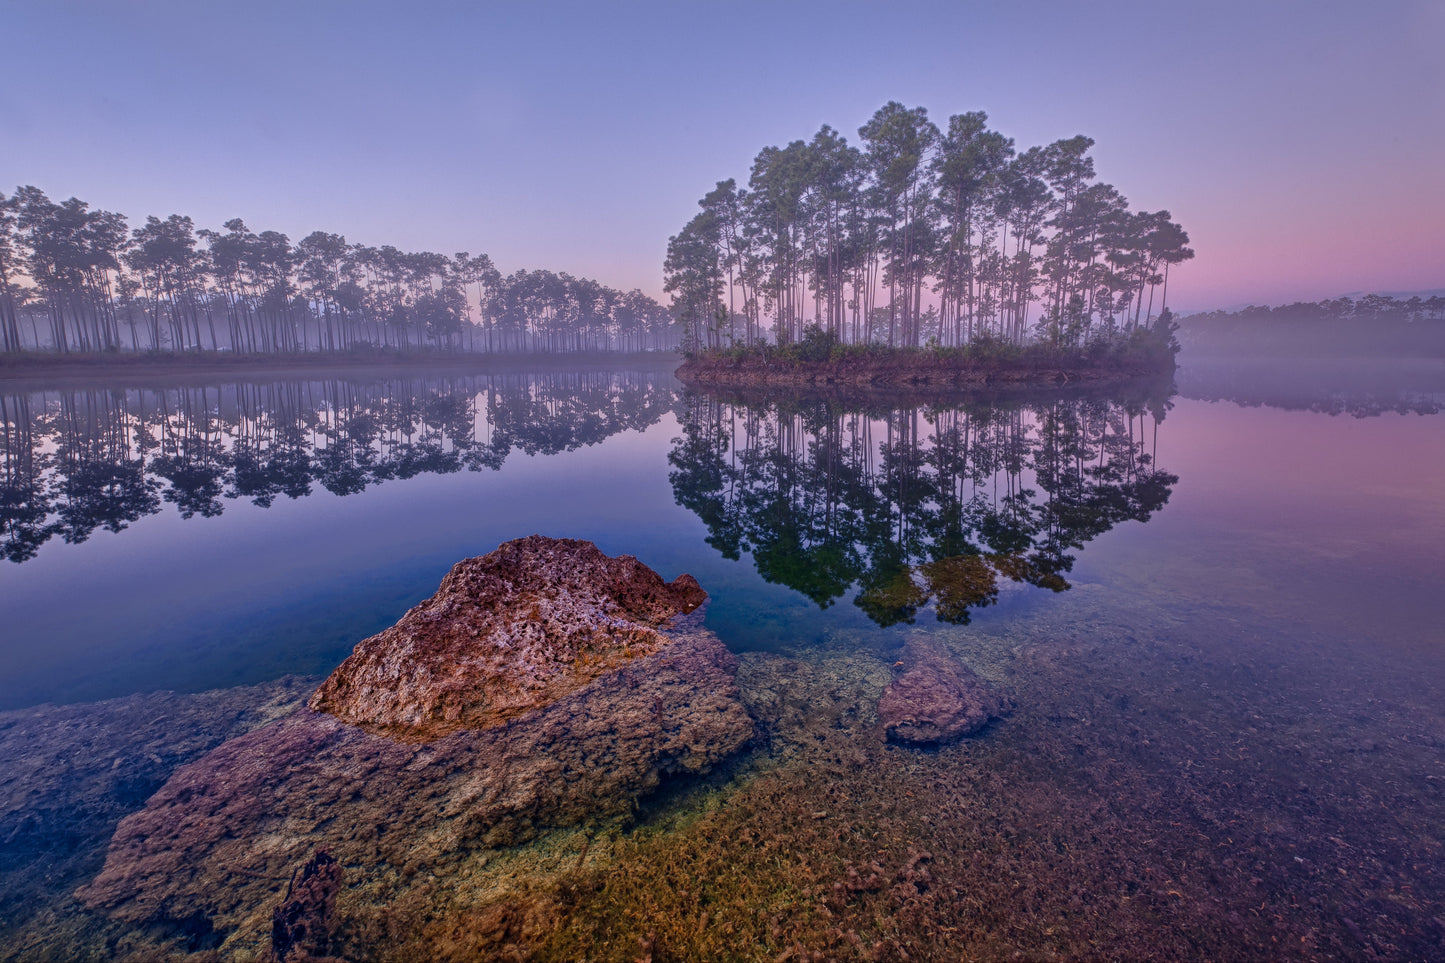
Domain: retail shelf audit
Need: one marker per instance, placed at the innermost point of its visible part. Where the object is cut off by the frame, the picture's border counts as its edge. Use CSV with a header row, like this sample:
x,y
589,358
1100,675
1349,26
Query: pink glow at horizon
x,y
1306,240
1275,267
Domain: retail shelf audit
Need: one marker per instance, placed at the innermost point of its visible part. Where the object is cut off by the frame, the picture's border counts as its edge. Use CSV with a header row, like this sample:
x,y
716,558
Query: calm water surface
x,y
1220,622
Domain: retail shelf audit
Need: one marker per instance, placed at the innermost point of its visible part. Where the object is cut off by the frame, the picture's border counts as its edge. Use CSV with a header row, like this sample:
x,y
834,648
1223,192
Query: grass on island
x,y
1151,348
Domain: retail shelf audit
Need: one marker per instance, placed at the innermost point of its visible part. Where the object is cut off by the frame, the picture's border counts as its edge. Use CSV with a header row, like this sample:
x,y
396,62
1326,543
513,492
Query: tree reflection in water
x,y
75,461
907,504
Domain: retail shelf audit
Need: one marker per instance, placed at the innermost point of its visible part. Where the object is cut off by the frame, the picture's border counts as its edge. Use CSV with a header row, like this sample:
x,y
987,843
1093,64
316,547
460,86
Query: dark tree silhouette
x,y
960,235
80,279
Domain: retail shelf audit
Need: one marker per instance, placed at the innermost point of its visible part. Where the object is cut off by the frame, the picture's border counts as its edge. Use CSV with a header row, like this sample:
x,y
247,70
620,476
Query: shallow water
x,y
1220,625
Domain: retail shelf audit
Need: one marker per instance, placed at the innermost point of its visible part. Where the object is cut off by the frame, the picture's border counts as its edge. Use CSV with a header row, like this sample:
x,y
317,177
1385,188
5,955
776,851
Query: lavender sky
x,y
1302,144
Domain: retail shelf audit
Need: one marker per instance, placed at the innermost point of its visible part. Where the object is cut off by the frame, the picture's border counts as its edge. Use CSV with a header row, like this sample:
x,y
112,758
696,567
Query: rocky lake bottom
x,y
1148,797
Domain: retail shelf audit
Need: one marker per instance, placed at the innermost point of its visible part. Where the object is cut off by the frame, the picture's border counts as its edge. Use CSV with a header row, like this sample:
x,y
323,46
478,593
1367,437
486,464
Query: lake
x,y
1217,613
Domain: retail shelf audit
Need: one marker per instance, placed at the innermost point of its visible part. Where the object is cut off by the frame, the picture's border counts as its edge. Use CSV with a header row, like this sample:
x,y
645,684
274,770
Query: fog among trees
x,y
1375,325
77,278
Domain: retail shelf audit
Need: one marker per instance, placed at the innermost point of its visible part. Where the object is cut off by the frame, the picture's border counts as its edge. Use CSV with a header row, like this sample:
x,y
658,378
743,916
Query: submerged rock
x,y
937,699
73,772
303,926
605,698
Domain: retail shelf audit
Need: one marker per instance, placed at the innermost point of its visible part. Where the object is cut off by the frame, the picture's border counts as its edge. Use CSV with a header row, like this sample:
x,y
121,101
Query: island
x,y
929,253
820,359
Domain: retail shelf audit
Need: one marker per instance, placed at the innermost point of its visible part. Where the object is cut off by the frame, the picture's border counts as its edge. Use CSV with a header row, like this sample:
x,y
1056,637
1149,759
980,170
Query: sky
x,y
1301,144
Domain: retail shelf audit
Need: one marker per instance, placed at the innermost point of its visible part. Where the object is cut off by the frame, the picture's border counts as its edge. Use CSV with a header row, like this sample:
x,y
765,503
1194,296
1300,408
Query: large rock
x,y
505,633
937,699
605,699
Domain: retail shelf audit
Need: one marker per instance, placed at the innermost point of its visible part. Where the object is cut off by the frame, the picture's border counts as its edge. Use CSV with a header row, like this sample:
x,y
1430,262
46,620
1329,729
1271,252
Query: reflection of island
x,y
912,503
74,461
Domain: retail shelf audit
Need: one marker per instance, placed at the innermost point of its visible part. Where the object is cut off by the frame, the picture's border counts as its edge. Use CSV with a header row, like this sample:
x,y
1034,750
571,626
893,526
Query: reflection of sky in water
x,y
1335,523
146,591
1311,523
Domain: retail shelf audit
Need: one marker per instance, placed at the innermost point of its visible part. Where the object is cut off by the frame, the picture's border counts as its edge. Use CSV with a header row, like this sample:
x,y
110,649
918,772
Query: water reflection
x,y
915,503
1359,387
74,461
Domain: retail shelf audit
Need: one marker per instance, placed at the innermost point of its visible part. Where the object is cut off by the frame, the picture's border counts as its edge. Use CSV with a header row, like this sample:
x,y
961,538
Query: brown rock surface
x,y
72,772
225,833
937,698
303,926
504,634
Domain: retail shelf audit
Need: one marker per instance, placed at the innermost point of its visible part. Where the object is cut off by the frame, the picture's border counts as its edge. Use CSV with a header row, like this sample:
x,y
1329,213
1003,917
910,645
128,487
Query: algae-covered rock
x,y
610,698
937,699
303,927
505,633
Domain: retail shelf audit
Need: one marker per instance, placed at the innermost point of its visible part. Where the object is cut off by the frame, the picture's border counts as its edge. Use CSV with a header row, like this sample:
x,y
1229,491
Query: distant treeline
x,y
73,278
1375,324
1371,308
921,233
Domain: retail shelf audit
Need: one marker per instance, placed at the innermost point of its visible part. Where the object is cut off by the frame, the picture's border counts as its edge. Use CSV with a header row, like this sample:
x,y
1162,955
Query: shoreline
x,y
909,371
1146,387
34,370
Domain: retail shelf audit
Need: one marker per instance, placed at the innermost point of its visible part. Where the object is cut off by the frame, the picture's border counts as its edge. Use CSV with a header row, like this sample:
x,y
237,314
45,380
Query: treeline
x,y
1374,325
74,278
921,233
1372,308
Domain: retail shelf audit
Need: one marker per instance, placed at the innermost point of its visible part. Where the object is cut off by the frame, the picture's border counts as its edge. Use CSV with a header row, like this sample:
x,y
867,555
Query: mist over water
x,y
1361,358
